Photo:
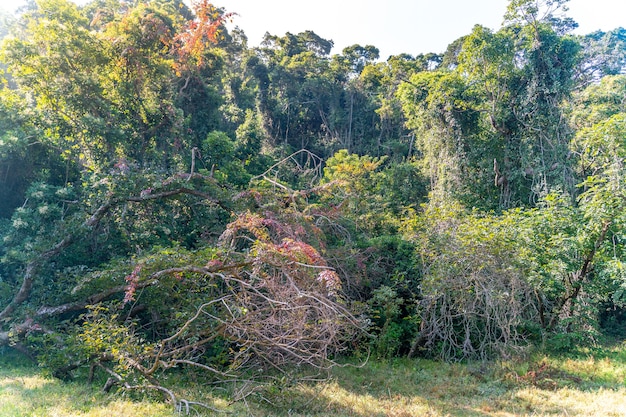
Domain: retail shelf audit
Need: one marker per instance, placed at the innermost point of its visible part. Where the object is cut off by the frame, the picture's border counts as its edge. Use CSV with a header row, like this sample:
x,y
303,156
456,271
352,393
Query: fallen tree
x,y
256,304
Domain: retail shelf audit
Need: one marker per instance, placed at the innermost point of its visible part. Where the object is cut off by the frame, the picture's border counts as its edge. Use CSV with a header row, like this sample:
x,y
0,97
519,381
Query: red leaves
x,y
214,264
132,279
299,252
278,250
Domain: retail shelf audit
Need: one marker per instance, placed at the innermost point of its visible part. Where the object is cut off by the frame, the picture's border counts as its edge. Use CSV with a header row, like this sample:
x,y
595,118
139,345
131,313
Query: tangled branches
x,y
475,312
475,299
273,321
254,314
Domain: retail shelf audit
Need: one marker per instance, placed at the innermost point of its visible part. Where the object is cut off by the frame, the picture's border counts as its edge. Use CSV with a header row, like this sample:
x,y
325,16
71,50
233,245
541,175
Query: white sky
x,y
393,26
397,26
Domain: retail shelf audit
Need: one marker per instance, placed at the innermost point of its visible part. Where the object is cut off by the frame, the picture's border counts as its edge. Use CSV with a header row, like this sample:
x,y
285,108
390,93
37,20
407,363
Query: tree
x,y
120,115
59,60
474,299
358,56
440,109
547,57
300,90
495,108
117,88
603,53
257,313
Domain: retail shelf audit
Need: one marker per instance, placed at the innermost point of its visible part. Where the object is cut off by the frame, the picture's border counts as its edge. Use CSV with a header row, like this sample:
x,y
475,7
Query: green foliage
x,y
344,167
603,55
393,328
598,102
218,151
352,186
171,200
441,110
496,113
38,221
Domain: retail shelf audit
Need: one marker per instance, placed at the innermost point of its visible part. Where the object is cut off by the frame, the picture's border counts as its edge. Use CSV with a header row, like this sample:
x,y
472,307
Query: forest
x,y
172,199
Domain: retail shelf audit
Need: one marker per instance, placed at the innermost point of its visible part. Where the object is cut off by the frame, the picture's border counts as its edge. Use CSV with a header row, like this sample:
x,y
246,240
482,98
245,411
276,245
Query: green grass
x,y
26,392
592,384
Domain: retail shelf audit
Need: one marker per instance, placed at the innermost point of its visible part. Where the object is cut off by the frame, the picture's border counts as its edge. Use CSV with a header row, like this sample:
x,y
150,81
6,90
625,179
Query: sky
x,y
398,26
393,26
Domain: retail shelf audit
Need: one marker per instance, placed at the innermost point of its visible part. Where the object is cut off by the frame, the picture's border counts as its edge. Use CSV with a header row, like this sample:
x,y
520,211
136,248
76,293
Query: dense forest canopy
x,y
172,198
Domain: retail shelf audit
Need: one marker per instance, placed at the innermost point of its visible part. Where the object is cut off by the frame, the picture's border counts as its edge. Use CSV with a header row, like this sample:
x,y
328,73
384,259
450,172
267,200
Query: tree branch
x,y
33,266
579,276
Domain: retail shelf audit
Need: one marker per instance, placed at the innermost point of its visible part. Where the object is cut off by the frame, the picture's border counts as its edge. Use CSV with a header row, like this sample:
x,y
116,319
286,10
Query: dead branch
x,y
311,160
472,306
180,404
275,318
46,311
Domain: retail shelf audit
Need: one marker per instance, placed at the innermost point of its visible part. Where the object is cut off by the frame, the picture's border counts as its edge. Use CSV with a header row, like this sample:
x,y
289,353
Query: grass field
x,y
592,384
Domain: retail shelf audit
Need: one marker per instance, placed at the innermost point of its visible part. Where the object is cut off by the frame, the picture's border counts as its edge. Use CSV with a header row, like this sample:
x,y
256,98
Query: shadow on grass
x,y
403,388
399,388
582,386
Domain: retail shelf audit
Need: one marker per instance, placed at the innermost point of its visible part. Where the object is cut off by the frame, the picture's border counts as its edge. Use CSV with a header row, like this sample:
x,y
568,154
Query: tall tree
x,y
502,123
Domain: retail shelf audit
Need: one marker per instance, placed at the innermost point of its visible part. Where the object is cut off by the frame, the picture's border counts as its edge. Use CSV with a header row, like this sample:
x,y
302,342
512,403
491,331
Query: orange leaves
x,y
200,33
250,222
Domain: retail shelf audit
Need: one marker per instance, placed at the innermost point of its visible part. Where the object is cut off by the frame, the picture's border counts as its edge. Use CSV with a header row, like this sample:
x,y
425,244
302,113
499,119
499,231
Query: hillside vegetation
x,y
179,208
